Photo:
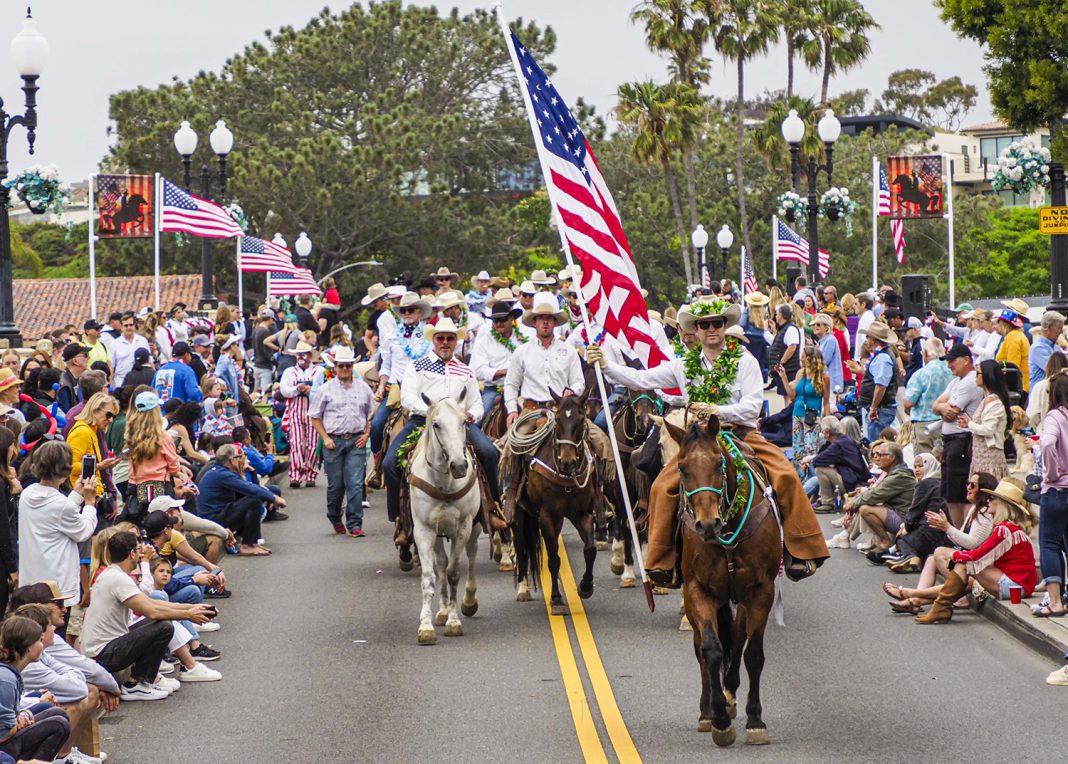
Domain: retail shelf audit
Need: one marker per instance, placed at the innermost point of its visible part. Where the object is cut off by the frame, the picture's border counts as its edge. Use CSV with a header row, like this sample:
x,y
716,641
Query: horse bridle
x,y
434,439
687,504
632,412
581,447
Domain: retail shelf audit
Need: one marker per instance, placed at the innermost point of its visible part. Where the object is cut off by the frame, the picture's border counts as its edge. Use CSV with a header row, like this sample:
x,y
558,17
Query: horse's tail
x,y
527,548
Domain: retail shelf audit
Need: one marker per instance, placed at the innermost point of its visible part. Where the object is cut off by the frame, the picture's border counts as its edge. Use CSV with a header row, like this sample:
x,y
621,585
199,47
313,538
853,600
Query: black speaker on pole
x,y
791,276
915,295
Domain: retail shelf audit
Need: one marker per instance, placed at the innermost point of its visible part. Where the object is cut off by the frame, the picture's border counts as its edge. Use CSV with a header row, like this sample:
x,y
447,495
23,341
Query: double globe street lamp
x,y
699,238
29,50
724,238
793,131
222,142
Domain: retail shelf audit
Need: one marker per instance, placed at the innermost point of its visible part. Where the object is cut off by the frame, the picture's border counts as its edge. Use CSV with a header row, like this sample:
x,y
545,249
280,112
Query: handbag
x,y
811,417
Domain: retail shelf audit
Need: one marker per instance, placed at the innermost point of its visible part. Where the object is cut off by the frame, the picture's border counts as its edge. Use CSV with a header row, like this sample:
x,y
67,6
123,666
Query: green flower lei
x,y
742,477
510,343
712,385
680,349
408,446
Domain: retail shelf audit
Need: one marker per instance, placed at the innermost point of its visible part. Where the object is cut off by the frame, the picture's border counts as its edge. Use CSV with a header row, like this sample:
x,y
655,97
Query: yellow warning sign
x,y
1053,220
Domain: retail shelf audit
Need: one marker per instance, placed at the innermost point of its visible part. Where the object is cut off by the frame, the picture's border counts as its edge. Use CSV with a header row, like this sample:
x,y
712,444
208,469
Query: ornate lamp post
x,y
793,131
724,238
304,248
699,237
222,142
29,50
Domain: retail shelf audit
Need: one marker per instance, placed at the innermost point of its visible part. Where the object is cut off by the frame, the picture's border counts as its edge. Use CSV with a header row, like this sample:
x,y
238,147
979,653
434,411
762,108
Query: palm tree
x,y
742,29
768,137
797,22
651,108
840,39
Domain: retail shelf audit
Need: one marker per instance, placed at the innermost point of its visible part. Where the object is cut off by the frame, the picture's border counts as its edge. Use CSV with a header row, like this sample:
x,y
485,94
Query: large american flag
x,y
897,226
750,284
184,212
262,256
789,245
296,282
587,214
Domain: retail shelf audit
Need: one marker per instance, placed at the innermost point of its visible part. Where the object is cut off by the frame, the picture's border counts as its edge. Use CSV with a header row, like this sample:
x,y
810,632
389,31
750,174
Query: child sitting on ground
x,y
42,729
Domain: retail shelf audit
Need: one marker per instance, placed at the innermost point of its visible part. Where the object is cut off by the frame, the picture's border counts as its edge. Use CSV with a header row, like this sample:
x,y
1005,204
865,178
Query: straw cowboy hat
x,y
376,291
303,347
367,371
1009,491
444,326
483,276
451,299
544,305
501,295
708,308
444,273
344,355
504,309
670,317
757,299
654,315
8,378
738,333
881,332
413,300
1020,306
541,278
527,287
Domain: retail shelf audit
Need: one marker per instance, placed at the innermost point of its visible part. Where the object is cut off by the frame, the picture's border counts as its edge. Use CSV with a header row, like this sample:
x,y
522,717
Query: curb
x,y
1045,638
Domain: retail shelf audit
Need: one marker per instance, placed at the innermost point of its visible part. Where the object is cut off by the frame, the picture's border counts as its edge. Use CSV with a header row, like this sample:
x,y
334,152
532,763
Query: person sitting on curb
x,y
41,731
234,502
883,505
838,464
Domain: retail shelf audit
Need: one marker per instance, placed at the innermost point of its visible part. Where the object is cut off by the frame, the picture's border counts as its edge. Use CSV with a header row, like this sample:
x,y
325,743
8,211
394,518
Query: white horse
x,y
445,503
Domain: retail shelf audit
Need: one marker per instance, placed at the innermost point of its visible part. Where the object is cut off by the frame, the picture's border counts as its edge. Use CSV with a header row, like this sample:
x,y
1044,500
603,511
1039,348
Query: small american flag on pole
x,y
296,282
262,256
184,212
751,284
897,226
789,245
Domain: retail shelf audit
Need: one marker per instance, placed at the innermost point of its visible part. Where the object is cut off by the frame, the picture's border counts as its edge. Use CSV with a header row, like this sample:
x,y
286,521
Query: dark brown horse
x,y
560,482
731,552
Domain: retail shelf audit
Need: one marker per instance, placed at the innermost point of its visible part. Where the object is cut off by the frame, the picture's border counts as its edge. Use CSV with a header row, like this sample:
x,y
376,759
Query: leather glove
x,y
703,411
595,355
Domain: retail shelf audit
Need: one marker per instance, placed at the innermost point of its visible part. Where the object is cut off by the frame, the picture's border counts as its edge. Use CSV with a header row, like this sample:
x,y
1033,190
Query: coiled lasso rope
x,y
522,444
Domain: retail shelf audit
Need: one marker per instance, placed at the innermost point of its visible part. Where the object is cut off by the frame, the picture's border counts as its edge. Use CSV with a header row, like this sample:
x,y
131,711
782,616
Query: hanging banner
x,y
916,187
124,206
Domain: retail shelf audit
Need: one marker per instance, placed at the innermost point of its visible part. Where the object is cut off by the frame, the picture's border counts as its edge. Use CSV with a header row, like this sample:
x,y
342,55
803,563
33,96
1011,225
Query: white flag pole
x,y
240,281
774,249
874,222
741,271
582,302
156,206
92,246
947,174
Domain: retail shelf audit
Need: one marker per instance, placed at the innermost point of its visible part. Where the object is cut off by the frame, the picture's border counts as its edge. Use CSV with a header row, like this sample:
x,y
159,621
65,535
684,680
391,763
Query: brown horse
x,y
561,482
632,424
731,552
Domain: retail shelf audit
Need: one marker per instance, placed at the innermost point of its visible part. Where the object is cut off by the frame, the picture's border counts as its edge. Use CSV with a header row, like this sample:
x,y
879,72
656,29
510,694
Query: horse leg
x,y
732,634
526,553
617,555
506,563
712,649
551,537
425,540
453,627
441,562
470,604
627,580
756,732
589,553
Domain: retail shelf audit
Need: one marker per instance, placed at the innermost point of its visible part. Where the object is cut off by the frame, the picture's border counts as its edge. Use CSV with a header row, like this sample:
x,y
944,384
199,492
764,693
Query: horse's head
x,y
905,181
705,472
569,448
644,407
446,433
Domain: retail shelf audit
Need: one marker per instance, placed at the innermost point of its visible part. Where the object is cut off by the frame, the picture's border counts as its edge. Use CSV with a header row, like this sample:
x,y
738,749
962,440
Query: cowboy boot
x,y
942,608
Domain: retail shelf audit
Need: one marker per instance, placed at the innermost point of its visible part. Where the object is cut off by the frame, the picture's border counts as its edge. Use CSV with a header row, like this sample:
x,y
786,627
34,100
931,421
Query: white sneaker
x,y
199,673
865,546
142,691
209,626
839,541
77,757
166,668
837,522
169,684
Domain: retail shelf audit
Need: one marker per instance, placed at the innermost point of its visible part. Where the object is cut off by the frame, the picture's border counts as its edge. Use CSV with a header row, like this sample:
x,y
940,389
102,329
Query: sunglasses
x,y
343,365
404,311
108,416
972,485
714,323
445,338
879,455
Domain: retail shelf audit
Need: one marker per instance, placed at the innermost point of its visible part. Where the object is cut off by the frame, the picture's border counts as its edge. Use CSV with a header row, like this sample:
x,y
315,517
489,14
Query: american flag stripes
x,y
897,226
750,284
295,282
789,245
588,216
262,256
184,212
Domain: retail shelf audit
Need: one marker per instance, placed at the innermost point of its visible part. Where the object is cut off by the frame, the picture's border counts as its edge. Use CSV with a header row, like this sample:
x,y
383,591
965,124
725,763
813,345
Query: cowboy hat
x,y
450,299
500,282
413,300
654,315
482,276
501,295
344,355
376,291
368,371
303,347
1009,491
527,287
707,307
738,333
541,278
544,305
670,317
8,378
504,309
444,273
1018,305
444,326
757,299
881,332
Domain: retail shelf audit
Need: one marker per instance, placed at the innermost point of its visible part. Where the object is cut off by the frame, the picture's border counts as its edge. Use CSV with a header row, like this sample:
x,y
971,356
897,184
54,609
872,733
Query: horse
x,y
732,548
910,195
445,504
129,213
561,482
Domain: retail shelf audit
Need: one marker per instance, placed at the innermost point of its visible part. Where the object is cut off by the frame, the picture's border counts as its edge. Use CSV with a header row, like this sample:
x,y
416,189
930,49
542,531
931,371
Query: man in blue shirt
x,y
878,388
922,390
1045,345
176,379
234,502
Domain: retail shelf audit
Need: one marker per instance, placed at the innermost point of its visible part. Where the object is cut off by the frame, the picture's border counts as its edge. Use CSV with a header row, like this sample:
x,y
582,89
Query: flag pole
x,y
874,222
156,207
92,246
565,247
947,172
240,281
774,251
741,271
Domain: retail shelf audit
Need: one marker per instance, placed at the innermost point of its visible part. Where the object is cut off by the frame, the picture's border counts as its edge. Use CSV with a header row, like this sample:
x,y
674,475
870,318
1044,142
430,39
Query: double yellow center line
x,y
593,749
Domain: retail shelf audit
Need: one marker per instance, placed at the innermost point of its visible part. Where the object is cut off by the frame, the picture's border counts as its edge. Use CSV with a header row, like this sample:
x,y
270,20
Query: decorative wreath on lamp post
x,y
836,205
1022,167
793,207
41,188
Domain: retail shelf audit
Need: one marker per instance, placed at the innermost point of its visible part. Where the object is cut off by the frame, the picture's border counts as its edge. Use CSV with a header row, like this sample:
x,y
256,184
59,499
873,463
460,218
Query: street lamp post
x,y
793,130
29,50
699,237
304,248
222,141
724,238
1058,244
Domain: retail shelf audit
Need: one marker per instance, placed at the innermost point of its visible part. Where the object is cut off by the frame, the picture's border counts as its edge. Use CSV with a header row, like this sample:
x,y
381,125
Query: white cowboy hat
x,y
541,278
737,332
654,315
450,299
344,355
444,326
395,292
483,276
706,308
670,315
374,292
544,305
303,347
501,295
527,287
444,273
413,300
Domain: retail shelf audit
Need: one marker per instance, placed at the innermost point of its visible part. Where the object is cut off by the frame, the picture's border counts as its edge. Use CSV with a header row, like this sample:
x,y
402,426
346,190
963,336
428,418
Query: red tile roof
x,y
42,305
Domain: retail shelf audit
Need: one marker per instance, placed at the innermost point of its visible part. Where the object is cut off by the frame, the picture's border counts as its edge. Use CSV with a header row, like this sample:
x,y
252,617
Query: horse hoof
x,y
626,583
428,637
685,625
617,568
506,566
601,546
440,618
732,704
406,565
522,596
454,629
560,609
704,725
756,736
585,593
469,610
661,590
723,738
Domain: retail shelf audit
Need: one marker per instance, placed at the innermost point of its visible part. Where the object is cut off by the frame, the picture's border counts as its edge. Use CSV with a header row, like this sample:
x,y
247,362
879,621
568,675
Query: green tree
x,y
918,94
840,39
1007,257
851,103
798,21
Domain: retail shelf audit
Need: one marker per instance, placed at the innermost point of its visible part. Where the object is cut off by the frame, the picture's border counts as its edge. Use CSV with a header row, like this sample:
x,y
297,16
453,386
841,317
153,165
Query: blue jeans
x,y
378,426
614,397
344,468
872,427
162,596
1052,523
489,397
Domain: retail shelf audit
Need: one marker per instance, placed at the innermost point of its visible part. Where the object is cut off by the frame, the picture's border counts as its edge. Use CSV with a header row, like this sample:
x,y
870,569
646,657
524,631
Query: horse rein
x,y
686,505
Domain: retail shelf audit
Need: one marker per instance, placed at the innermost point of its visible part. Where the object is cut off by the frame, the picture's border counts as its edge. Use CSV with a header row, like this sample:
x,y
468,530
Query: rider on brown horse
x,y
493,349
719,378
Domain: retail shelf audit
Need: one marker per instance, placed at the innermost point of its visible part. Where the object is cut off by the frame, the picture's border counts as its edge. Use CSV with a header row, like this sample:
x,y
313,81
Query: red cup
x,y
1015,594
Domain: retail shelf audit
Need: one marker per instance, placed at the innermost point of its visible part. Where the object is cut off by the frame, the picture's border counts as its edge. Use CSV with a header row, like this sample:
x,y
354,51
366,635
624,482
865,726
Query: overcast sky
x,y
97,52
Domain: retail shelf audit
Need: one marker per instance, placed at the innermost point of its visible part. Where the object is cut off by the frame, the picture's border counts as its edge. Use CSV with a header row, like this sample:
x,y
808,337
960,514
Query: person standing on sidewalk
x,y
961,396
297,385
340,412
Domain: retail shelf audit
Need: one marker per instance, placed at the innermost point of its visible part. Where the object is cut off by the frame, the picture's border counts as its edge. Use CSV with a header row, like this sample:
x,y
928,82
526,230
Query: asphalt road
x,y
320,663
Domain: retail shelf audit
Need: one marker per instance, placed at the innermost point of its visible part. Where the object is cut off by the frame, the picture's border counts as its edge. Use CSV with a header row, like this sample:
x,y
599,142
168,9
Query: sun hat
x,y
450,299
303,347
444,326
737,332
504,295
1008,490
163,503
483,276
1010,316
396,291
8,378
541,278
544,305
654,315
147,401
413,300
376,291
444,273
708,307
527,287
757,299
1017,305
881,332
344,355
367,371
671,317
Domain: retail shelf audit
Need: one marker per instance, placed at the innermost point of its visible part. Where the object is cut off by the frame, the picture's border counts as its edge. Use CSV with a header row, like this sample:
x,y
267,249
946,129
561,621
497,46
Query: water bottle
x,y
837,499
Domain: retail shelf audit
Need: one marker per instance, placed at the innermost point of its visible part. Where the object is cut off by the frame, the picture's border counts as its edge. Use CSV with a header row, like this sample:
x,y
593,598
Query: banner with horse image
x,y
124,205
916,187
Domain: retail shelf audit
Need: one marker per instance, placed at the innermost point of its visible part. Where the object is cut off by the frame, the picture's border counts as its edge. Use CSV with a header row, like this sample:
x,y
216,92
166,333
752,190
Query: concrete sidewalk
x,y
1047,636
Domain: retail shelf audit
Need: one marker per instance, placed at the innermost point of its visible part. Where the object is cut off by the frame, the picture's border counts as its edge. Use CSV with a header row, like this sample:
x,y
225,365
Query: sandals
x,y
887,587
910,605
1046,612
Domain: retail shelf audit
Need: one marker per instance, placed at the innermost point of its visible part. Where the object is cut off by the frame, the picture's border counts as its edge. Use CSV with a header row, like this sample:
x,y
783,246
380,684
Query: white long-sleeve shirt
x,y
387,327
535,369
611,347
122,357
394,357
50,527
489,356
985,346
431,377
747,390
